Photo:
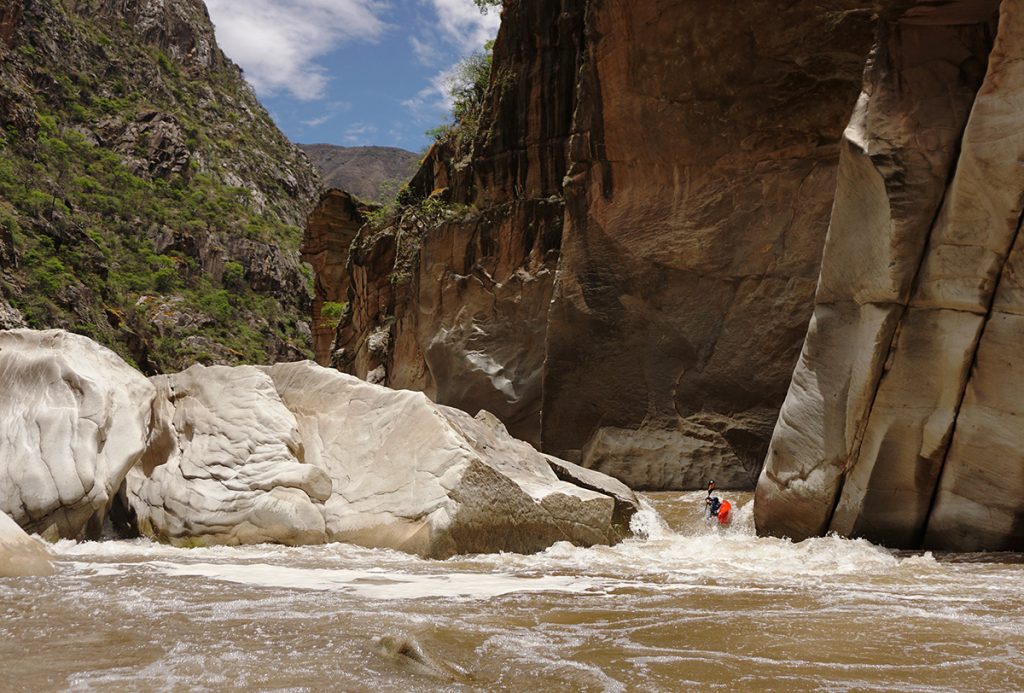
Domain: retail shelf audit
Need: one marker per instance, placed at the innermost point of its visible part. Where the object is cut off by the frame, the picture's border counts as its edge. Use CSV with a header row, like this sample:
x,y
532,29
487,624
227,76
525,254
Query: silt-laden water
x,y
690,606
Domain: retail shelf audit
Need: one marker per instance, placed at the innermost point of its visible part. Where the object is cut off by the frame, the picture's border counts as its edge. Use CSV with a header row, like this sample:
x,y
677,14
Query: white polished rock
x,y
412,475
74,417
224,465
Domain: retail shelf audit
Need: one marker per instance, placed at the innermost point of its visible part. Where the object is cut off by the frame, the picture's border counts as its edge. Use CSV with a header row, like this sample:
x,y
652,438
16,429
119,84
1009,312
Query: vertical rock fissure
x,y
904,306
923,531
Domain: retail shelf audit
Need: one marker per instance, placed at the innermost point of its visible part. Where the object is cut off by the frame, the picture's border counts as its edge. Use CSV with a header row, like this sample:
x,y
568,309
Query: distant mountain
x,y
362,170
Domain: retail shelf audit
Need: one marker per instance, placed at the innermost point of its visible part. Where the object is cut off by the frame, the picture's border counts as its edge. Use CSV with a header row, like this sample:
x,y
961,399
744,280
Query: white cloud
x,y
357,133
425,51
316,122
463,24
461,28
277,42
435,97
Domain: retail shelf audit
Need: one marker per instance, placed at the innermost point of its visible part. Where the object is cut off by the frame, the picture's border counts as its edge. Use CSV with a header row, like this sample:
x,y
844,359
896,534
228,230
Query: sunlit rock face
x,y
415,476
20,554
74,417
224,464
649,194
901,421
291,454
299,454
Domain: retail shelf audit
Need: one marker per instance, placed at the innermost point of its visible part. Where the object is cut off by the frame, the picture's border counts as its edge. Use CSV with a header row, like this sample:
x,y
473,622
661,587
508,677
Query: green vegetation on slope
x,y
150,202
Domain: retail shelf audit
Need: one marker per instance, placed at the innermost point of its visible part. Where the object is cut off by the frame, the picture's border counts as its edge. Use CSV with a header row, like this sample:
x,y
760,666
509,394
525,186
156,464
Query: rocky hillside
x,y
369,173
146,198
617,253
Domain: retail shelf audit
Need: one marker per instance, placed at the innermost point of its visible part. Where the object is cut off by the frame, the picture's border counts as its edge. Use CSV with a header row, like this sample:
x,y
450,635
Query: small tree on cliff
x,y
486,5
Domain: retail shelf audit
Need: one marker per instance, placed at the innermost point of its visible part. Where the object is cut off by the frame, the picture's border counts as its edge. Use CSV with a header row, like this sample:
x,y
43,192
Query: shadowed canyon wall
x,y
902,421
673,164
649,198
703,168
649,194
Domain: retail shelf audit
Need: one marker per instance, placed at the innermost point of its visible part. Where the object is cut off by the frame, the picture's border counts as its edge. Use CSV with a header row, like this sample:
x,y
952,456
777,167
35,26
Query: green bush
x,y
166,280
234,275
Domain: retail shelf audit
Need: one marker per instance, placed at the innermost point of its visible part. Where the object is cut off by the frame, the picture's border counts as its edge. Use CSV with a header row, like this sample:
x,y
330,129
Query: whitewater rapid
x,y
682,604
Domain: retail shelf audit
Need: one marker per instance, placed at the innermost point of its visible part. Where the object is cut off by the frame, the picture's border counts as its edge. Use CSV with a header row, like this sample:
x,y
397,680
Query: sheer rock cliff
x,y
639,218
902,421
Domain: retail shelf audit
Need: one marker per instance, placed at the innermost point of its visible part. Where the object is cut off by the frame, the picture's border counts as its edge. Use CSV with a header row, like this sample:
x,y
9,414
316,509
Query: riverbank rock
x,y
902,420
20,554
224,464
419,477
298,454
74,417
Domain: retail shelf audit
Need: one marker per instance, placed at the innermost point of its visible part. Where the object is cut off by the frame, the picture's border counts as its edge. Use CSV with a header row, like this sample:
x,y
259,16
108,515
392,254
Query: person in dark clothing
x,y
712,503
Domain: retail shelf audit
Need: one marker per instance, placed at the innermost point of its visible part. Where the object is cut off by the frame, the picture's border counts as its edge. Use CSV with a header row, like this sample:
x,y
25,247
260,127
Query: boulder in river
x,y
416,476
224,465
20,554
74,417
297,454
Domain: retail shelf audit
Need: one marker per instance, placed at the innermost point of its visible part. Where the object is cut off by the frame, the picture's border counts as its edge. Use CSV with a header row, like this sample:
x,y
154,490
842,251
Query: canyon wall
x,y
901,423
628,268
703,166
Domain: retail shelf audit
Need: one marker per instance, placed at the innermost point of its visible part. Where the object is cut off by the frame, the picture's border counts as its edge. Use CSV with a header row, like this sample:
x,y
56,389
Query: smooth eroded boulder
x,y
74,417
419,477
20,554
224,465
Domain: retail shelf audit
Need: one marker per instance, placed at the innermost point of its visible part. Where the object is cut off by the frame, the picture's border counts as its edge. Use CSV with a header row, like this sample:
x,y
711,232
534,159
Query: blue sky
x,y
352,72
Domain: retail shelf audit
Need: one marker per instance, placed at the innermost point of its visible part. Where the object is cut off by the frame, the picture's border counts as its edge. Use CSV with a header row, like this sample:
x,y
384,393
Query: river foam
x,y
683,605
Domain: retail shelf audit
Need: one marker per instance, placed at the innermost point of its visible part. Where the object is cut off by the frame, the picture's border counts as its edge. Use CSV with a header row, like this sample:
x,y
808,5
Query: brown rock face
x,y
329,235
458,309
703,172
697,146
10,17
900,425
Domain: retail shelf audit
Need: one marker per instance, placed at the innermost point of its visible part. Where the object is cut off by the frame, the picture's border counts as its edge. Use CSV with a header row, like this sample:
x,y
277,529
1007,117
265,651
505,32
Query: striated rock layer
x,y
648,197
74,418
901,421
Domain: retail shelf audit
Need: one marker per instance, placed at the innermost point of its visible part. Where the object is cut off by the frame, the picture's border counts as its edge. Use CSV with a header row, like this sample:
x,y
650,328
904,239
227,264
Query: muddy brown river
x,y
686,607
